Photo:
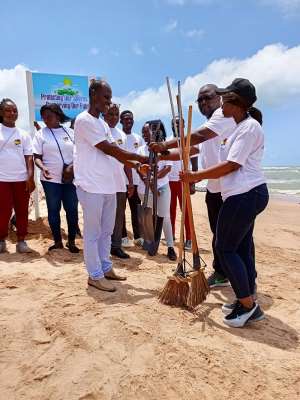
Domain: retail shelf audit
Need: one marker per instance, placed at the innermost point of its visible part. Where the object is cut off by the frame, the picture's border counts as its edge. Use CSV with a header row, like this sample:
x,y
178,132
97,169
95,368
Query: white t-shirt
x,y
120,176
45,145
93,169
210,149
134,141
14,145
174,174
144,151
245,147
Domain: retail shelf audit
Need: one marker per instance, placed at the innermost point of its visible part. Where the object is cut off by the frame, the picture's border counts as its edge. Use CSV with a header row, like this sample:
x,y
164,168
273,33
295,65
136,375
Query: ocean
x,y
282,181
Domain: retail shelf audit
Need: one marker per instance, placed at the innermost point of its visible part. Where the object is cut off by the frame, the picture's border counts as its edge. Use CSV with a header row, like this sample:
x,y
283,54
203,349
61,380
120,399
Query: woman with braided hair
x,y
16,175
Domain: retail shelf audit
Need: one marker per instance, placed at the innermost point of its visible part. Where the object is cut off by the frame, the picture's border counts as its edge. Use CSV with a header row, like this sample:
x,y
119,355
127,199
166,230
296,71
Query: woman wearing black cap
x,y
245,195
53,154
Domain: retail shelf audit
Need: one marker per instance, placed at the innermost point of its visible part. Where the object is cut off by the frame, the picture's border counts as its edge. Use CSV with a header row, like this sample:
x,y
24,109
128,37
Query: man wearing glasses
x,y
211,135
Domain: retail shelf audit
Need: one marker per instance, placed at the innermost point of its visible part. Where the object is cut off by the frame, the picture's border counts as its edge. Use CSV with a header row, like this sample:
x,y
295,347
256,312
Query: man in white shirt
x,y
210,134
96,187
134,141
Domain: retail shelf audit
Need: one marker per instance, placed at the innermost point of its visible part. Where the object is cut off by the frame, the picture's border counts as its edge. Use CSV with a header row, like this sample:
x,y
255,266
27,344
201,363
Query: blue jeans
x,y
234,238
61,194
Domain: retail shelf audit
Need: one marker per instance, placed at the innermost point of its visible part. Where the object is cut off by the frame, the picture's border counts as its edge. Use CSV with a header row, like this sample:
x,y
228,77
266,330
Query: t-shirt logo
x,y
17,142
224,142
120,141
136,145
66,138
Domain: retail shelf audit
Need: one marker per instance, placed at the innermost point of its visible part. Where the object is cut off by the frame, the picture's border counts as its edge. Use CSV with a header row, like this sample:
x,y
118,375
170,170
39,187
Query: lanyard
x,y
58,143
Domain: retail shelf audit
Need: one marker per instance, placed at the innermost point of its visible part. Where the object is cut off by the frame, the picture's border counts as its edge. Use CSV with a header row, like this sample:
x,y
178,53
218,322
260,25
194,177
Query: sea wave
x,y
276,169
283,181
286,192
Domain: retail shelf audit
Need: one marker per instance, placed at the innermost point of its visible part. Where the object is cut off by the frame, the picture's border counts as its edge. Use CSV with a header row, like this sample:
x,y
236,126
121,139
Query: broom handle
x,y
187,187
174,119
182,220
184,167
186,156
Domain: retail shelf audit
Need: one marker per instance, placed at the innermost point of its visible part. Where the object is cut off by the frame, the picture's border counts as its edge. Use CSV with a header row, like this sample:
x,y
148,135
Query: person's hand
x,y
143,159
46,173
130,190
30,185
68,173
158,147
144,169
192,188
187,176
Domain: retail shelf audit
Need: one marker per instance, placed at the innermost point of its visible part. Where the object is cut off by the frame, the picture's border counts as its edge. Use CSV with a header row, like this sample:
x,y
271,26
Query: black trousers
x,y
234,238
214,203
116,237
134,201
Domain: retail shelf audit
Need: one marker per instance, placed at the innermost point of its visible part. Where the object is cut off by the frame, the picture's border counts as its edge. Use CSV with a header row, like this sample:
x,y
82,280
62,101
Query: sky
x,y
135,44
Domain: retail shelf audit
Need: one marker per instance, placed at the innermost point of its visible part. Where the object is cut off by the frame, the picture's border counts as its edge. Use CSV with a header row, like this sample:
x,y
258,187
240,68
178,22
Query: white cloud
x,y
13,86
176,2
274,70
194,33
171,26
137,50
192,2
94,51
288,7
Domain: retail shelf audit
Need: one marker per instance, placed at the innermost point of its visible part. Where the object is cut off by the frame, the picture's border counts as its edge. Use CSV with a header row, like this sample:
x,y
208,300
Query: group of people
x,y
103,166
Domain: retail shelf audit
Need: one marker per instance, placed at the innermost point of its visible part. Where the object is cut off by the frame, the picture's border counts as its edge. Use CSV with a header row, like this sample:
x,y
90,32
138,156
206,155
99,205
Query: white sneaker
x,y
3,248
126,242
139,242
22,247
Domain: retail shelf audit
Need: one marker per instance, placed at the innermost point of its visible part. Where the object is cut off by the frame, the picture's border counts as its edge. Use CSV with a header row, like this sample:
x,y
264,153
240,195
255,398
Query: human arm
x,y
130,186
215,172
30,185
121,155
38,159
194,164
174,155
198,136
164,171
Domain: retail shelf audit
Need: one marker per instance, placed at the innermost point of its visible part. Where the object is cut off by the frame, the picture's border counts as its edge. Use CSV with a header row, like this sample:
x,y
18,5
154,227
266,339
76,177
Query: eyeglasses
x,y
205,97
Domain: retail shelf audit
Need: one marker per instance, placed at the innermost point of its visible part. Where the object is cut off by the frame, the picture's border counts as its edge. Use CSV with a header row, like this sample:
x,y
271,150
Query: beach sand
x,y
62,341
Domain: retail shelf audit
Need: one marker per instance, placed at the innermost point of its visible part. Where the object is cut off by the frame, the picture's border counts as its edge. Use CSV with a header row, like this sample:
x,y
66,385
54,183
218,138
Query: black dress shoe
x,y
72,247
171,254
119,253
56,245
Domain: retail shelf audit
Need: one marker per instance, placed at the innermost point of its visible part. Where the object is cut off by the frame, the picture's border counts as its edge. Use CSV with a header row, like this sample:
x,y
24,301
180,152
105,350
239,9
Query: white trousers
x,y
99,211
163,210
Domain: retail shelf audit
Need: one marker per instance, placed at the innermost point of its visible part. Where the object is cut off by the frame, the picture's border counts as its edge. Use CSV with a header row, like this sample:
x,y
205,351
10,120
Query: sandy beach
x,y
62,341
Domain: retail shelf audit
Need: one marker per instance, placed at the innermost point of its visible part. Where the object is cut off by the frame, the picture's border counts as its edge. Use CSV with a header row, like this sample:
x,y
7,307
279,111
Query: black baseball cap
x,y
242,87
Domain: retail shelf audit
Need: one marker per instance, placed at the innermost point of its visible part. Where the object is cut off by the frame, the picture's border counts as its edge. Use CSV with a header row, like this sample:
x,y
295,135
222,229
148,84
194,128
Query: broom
x,y
199,286
175,291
